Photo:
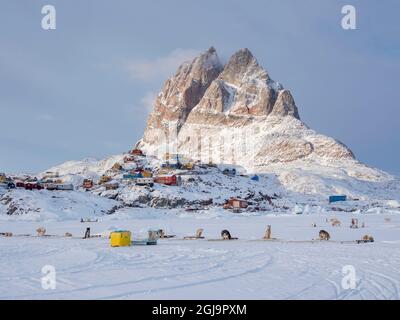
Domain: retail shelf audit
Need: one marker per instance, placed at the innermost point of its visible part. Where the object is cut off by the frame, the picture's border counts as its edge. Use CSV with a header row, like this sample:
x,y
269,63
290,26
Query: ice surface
x,y
177,269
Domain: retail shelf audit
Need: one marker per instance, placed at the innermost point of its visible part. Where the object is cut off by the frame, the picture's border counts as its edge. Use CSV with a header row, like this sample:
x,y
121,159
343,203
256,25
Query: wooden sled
x,y
150,241
310,241
161,235
363,241
144,242
199,233
266,240
53,236
223,239
88,220
169,236
267,236
6,234
193,238
315,241
46,236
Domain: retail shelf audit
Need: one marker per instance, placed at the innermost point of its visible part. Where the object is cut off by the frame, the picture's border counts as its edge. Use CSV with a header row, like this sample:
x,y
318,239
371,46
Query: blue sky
x,y
85,89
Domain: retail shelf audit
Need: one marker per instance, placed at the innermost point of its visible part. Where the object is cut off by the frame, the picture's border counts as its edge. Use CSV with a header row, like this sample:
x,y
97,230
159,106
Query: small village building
x,y
104,179
112,186
65,187
3,177
169,180
129,159
229,172
236,203
136,152
87,184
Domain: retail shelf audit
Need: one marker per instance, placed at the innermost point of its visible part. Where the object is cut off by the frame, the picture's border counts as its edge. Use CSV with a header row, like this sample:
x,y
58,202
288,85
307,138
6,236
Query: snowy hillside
x,y
87,167
47,205
297,189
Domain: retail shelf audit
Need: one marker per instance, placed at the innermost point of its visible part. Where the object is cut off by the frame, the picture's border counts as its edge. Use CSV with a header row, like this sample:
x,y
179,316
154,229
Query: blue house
x,y
337,198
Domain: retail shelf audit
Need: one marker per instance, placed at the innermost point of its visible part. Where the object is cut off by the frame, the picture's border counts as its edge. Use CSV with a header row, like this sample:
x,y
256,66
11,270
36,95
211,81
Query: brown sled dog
x,y
41,232
368,238
199,235
324,235
336,223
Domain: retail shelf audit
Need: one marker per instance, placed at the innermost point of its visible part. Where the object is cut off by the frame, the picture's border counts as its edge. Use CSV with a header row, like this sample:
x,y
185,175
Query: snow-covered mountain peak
x,y
209,59
243,67
207,101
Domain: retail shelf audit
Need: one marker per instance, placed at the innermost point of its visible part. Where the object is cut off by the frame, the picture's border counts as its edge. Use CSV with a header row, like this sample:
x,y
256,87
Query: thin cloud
x,y
45,117
162,67
148,100
144,105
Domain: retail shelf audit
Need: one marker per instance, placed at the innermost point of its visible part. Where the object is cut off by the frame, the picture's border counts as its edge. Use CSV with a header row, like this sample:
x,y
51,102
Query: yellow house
x,y
120,238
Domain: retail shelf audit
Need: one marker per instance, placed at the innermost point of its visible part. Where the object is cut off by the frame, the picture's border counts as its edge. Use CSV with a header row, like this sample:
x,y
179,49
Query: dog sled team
x,y
225,235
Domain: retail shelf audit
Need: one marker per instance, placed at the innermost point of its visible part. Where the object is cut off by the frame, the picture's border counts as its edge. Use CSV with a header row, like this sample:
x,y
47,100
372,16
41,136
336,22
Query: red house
x,y
87,184
33,186
136,152
128,159
20,184
171,180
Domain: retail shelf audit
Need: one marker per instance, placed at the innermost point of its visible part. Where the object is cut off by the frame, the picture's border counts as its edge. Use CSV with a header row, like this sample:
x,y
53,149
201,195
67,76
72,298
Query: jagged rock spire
x,y
182,92
213,99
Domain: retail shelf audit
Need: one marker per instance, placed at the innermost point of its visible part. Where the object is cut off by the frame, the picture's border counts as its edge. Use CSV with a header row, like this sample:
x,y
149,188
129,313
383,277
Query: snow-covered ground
x,y
292,268
201,269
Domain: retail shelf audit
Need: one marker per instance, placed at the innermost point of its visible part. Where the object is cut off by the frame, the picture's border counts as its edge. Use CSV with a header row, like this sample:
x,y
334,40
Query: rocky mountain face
x,y
182,93
233,114
244,89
